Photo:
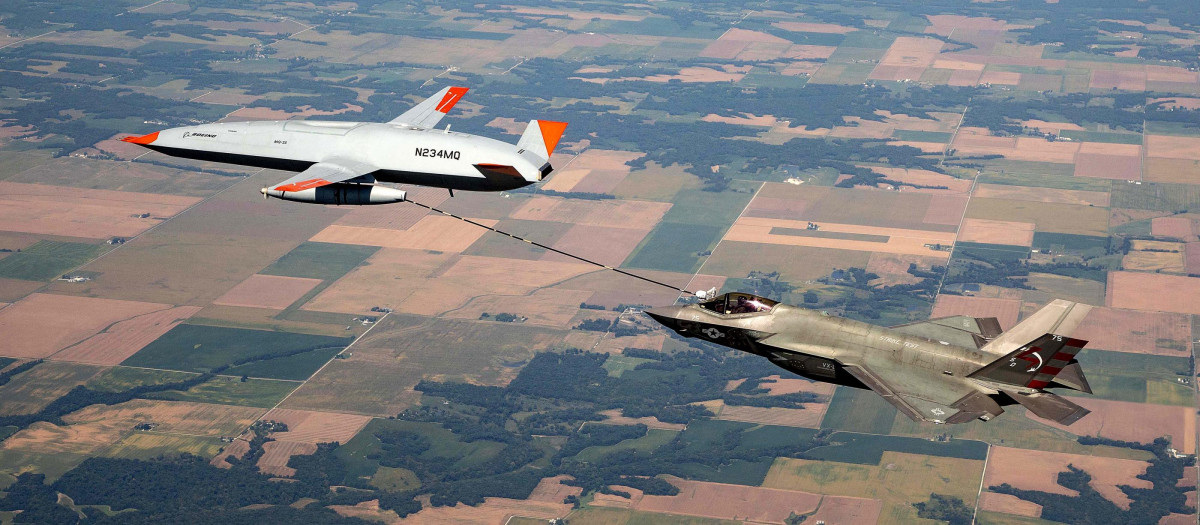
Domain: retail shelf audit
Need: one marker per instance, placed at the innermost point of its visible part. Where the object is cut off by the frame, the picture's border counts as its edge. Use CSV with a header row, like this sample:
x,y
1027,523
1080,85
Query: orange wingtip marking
x,y
551,132
303,185
143,140
451,98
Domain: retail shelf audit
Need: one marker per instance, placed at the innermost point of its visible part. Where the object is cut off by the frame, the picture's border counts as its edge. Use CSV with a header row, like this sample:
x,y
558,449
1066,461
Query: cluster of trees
x,y
949,509
17,370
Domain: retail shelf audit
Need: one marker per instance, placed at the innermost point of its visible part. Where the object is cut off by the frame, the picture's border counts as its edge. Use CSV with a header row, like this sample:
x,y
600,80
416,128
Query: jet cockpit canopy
x,y
738,303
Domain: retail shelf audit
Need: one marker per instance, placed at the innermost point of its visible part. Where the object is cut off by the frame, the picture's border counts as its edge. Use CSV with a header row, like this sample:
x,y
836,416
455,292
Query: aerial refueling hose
x,y
555,250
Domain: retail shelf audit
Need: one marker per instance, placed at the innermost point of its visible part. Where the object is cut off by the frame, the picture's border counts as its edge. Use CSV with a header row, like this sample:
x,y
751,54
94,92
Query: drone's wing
x,y
431,110
324,173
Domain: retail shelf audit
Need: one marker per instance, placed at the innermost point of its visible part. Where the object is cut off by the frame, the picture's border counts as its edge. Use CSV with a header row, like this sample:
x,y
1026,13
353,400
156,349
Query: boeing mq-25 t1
x,y
948,370
340,162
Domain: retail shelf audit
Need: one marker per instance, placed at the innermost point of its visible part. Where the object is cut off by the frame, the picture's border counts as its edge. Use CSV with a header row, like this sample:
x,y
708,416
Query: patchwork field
x,y
858,238
432,232
1038,470
34,326
1007,311
1153,292
267,291
72,212
1134,331
898,481
32,390
1134,422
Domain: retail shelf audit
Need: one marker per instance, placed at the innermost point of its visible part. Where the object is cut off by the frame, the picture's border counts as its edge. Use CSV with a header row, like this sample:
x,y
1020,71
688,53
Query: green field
x,y
320,260
198,348
617,364
1040,174
857,410
868,449
675,247
361,453
1136,378
990,252
922,136
264,393
1068,241
122,378
1176,198
395,479
704,434
653,439
149,445
47,260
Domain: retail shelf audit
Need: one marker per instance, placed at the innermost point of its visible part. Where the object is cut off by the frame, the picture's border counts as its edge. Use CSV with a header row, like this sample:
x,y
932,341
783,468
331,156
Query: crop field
x,y
47,260
1135,422
989,231
33,327
499,246
197,348
267,291
1004,310
434,232
838,236
318,260
261,393
858,411
358,291
1038,470
1153,292
794,263
146,445
117,341
898,480
1048,217
654,438
358,451
378,378
35,388
89,213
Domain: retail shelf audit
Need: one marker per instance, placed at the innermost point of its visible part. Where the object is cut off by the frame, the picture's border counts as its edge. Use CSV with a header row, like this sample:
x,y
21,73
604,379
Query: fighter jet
x,y
340,162
947,370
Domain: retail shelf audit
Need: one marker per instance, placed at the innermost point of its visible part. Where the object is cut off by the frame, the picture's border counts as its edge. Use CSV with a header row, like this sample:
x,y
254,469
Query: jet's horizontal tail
x,y
1049,406
541,137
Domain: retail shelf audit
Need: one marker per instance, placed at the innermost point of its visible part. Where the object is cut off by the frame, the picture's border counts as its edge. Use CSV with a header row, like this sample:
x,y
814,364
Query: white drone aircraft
x,y
339,162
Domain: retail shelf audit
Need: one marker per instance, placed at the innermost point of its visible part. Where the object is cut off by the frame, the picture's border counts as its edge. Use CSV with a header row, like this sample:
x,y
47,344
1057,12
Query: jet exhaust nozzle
x,y
341,194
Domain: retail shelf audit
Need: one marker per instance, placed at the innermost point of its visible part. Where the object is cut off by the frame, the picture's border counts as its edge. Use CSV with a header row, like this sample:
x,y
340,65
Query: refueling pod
x,y
340,194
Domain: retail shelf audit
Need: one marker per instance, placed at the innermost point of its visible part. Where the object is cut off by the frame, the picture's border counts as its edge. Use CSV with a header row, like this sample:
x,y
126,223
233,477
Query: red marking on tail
x,y
451,98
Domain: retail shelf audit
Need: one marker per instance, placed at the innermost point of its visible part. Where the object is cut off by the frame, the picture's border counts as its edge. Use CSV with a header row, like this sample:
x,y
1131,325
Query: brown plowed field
x,y
609,246
1121,80
546,307
1136,332
1006,311
892,269
1170,74
42,324
756,504
267,291
1177,227
1000,77
1173,147
1192,258
614,417
182,417
551,490
306,426
892,240
1038,470
404,271
1102,166
1182,171
607,213
277,453
996,232
1151,292
1009,504
1028,193
1134,422
80,212
946,210
925,178
432,232
809,417
122,339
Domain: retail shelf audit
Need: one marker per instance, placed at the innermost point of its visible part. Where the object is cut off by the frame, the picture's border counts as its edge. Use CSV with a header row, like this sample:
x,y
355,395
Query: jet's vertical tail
x,y
1033,365
541,137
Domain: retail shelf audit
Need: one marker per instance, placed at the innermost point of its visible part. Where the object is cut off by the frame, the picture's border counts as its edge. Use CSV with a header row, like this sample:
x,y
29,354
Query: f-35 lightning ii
x,y
947,370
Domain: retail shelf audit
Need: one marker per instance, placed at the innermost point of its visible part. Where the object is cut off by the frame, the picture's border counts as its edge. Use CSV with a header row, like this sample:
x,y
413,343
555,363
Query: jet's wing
x,y
431,110
923,399
961,330
324,173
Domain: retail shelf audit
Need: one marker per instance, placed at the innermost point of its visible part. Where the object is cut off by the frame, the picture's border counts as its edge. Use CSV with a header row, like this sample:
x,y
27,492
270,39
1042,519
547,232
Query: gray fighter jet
x,y
948,370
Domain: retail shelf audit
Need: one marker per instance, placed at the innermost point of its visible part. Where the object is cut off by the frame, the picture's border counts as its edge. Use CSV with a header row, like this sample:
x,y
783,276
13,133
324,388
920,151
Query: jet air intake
x,y
341,194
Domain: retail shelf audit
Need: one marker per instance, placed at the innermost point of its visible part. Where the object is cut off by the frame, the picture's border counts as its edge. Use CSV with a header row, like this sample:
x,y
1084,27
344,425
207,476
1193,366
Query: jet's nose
x,y
665,315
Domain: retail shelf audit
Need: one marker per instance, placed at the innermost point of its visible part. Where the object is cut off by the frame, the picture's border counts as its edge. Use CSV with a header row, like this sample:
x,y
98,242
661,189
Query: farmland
x,y
890,162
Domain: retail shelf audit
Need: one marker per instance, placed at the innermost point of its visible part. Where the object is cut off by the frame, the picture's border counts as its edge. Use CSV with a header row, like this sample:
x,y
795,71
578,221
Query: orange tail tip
x,y
451,98
143,140
551,132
